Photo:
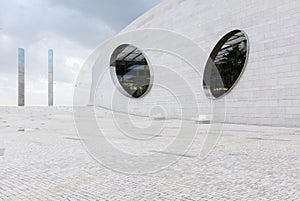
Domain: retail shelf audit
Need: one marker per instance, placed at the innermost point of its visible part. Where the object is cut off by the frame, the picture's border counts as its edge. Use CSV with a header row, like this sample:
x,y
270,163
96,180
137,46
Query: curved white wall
x,y
268,93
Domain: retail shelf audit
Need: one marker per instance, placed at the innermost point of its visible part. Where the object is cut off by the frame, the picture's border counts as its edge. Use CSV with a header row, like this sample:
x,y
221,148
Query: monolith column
x,y
50,77
21,77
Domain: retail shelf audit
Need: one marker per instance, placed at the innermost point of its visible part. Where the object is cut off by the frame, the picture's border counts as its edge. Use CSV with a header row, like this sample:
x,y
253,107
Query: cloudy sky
x,y
72,28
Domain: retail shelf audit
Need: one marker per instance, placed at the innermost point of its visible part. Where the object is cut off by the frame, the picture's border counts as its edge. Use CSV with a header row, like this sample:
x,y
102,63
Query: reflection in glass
x,y
229,57
132,70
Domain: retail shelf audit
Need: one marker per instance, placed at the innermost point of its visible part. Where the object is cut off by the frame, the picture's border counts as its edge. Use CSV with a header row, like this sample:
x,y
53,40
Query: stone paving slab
x,y
44,160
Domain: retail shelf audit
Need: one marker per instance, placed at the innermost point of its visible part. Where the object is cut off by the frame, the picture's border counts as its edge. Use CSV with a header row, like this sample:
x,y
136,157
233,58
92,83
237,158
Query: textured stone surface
x,y
46,161
268,93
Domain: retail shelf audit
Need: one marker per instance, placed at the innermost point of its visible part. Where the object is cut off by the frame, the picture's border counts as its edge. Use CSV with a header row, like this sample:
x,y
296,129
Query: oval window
x,y
131,71
226,64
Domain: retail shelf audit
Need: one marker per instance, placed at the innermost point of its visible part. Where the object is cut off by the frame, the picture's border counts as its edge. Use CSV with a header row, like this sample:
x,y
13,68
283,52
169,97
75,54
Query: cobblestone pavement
x,y
41,158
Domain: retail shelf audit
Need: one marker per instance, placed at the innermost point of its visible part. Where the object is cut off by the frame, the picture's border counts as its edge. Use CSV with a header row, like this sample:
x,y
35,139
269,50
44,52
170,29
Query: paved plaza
x,y
42,158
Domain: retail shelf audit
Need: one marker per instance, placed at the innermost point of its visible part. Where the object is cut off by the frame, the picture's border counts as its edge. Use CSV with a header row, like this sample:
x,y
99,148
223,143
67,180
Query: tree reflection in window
x,y
229,57
132,70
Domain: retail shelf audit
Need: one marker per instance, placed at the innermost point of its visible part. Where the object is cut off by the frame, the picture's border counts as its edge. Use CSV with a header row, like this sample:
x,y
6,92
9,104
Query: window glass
x,y
131,69
226,64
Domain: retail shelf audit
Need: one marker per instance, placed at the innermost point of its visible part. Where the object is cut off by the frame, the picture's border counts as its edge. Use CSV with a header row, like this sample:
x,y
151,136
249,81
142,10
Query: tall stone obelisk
x,y
21,77
50,77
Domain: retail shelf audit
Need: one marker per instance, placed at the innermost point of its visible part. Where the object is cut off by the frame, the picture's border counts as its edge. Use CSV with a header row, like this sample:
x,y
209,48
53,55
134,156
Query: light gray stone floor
x,y
41,158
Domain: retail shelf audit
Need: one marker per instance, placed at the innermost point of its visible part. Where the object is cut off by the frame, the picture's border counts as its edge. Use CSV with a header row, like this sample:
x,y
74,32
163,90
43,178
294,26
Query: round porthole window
x,y
226,64
130,71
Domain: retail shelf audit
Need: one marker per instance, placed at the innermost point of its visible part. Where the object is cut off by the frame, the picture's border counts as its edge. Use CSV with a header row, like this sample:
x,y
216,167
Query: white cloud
x,y
71,28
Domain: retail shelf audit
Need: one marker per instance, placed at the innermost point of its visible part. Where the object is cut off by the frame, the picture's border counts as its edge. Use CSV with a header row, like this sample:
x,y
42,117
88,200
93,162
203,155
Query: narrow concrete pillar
x,y
21,77
50,77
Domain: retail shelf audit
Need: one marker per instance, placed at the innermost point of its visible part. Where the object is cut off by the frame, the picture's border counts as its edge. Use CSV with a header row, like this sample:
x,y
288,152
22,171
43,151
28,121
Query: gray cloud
x,y
116,13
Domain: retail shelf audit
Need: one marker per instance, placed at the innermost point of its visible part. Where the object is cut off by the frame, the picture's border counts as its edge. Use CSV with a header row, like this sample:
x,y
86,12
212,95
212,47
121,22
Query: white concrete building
x,y
267,91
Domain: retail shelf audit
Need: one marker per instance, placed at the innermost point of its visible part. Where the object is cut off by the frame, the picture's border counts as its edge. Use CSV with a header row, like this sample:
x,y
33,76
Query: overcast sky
x,y
72,28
